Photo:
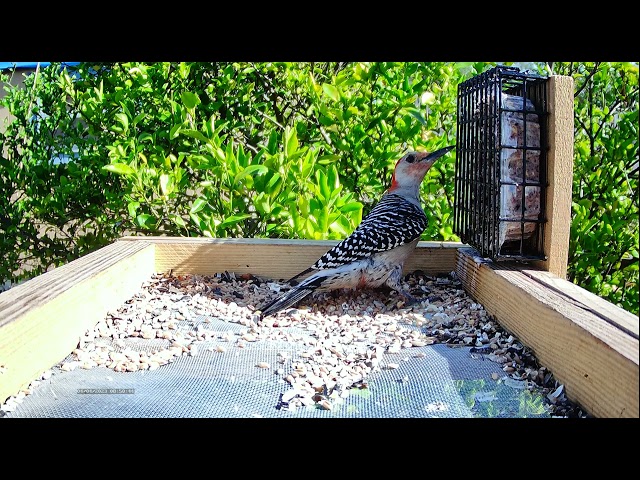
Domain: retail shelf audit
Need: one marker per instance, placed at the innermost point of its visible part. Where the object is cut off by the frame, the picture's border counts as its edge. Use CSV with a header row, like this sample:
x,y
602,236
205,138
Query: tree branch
x,y
587,80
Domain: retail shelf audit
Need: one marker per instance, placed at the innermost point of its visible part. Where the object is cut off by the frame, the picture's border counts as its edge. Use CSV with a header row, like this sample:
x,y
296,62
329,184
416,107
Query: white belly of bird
x,y
371,272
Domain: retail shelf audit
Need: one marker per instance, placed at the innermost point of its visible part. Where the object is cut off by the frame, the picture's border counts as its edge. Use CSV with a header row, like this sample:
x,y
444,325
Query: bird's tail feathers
x,y
287,300
291,297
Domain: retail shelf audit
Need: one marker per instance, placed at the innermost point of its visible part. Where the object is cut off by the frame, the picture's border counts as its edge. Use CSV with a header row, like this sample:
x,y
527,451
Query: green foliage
x,y
293,150
279,149
50,212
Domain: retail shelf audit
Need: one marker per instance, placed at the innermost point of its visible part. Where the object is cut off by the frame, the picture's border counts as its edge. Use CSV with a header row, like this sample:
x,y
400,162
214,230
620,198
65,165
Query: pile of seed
x,y
347,334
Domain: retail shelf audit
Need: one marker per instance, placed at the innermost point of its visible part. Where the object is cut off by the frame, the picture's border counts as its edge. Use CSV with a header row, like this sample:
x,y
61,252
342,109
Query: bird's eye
x,y
411,158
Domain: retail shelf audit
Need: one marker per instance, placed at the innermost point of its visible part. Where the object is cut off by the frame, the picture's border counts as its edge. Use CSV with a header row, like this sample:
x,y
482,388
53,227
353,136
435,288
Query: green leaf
x,y
327,122
165,180
251,170
145,220
138,118
333,179
119,168
292,142
323,183
273,182
190,100
233,219
194,134
199,162
218,153
323,219
326,159
262,204
414,112
272,146
184,69
144,136
198,205
198,221
124,121
350,207
177,219
332,92
231,162
339,228
132,207
175,131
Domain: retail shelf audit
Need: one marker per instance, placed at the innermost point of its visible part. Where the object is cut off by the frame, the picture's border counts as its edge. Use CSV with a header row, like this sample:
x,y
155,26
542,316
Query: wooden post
x,y
559,174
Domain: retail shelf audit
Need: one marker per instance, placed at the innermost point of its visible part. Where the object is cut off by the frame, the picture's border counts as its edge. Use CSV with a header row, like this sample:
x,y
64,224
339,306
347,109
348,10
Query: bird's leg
x,y
395,282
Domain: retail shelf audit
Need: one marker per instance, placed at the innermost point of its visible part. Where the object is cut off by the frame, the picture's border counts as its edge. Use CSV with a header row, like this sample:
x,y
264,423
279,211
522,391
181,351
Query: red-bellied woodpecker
x,y
374,254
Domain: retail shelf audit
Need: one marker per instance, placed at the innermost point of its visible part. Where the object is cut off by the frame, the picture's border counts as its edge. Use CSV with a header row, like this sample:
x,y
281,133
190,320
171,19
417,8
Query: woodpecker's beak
x,y
437,154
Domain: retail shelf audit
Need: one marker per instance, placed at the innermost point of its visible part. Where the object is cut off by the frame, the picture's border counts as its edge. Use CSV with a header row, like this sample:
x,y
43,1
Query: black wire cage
x,y
501,164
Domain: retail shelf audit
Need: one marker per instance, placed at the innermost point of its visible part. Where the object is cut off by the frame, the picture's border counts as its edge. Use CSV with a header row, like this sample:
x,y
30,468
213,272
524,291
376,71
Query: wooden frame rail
x,y
589,344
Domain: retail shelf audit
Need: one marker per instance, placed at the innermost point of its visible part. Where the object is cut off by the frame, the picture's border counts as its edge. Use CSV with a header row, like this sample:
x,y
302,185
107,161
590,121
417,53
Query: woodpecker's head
x,y
412,167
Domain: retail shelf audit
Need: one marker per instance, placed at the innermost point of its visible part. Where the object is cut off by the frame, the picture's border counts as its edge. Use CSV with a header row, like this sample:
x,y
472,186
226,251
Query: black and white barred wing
x,y
390,224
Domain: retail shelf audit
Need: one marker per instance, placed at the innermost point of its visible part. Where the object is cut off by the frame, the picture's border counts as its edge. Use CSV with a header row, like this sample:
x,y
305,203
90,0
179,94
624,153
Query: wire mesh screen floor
x,y
429,381
182,347
446,382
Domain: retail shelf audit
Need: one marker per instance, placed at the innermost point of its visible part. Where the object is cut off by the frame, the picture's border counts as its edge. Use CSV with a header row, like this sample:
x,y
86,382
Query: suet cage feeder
x,y
501,164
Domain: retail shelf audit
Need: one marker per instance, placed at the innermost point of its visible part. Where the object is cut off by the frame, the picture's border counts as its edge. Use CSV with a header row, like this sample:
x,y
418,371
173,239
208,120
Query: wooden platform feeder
x,y
589,344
